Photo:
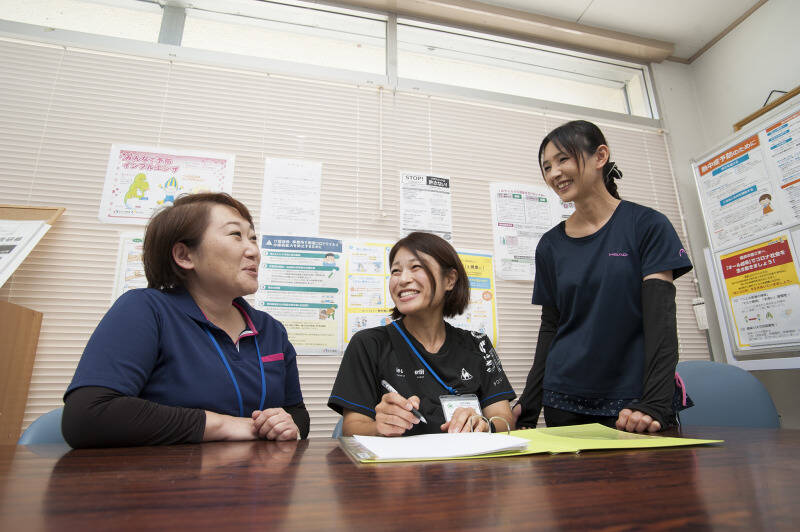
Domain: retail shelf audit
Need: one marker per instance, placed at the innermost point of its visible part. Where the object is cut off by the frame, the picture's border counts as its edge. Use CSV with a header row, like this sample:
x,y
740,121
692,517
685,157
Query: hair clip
x,y
614,172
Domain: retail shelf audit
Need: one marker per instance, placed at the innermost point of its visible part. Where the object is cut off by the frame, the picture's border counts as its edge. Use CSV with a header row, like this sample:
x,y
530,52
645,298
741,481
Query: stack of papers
x,y
571,439
429,446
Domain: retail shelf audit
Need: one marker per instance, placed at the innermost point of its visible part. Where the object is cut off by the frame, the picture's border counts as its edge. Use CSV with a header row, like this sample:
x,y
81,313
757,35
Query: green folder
x,y
571,439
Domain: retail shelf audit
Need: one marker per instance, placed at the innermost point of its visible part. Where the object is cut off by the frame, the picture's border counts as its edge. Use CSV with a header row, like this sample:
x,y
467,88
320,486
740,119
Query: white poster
x,y
139,180
521,214
290,197
130,268
300,284
17,239
739,198
782,144
425,204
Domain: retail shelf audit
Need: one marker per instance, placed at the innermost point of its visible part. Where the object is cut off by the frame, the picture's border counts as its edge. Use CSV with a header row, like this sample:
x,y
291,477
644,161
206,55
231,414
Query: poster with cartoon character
x,y
142,179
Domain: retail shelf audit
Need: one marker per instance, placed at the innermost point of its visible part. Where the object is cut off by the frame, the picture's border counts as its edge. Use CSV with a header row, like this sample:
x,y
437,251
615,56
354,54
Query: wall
x,y
700,103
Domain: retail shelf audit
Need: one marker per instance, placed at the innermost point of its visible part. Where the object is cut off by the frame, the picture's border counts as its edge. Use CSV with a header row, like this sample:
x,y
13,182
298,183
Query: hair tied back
x,y
612,171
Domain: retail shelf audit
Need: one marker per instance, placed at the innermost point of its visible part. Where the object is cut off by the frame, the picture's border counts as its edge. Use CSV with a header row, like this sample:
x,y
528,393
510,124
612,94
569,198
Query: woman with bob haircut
x,y
608,342
427,363
187,359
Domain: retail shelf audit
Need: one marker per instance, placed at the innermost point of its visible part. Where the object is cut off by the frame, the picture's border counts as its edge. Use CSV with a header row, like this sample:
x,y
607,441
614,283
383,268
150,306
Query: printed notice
x,y
764,293
521,214
291,197
425,205
140,180
481,314
782,144
130,268
17,240
738,195
368,302
300,284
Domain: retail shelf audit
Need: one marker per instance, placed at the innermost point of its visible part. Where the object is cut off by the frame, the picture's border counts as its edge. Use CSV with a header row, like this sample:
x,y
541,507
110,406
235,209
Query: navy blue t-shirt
x,y
155,345
595,283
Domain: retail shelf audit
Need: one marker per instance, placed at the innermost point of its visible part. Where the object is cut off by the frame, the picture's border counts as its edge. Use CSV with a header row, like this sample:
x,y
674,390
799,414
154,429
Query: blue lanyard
x,y
450,390
233,377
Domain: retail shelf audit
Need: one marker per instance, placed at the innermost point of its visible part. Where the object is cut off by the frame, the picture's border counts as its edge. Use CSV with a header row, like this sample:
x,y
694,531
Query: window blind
x,y
61,108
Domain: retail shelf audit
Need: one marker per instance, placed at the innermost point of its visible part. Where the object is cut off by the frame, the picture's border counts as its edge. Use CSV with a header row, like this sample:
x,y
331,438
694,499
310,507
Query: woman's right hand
x,y
393,414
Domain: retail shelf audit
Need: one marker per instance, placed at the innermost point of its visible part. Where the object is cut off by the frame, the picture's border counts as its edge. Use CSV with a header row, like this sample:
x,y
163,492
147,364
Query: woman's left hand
x,y
460,422
274,424
636,421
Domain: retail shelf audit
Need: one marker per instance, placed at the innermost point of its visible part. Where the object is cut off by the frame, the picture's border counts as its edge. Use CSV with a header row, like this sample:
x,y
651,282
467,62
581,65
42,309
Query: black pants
x,y
554,417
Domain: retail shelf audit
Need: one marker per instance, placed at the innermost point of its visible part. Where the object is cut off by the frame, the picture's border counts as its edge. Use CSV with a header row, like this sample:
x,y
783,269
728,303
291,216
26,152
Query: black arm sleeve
x,y
300,417
531,398
660,351
95,416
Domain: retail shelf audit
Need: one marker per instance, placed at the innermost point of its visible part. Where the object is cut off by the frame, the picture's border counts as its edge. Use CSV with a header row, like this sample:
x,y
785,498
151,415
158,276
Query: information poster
x,y
521,214
764,293
367,299
425,204
782,144
139,180
130,268
481,314
300,284
739,198
290,198
750,192
17,240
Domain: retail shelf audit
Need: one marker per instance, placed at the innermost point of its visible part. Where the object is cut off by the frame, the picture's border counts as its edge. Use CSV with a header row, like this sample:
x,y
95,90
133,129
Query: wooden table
x,y
750,482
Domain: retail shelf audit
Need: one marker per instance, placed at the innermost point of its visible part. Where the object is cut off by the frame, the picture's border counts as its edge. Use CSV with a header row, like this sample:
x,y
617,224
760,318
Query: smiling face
x,y
569,178
226,260
412,289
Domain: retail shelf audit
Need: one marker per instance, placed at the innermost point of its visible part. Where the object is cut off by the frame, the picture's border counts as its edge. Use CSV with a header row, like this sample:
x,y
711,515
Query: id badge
x,y
451,402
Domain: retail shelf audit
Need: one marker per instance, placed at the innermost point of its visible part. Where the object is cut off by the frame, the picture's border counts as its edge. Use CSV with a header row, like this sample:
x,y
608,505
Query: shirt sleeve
x,y
356,385
292,393
494,383
544,284
660,247
96,416
123,349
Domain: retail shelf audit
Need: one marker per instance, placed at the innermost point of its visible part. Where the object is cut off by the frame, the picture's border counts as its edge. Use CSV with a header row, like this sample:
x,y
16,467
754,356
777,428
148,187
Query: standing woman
x,y
187,359
608,343
428,364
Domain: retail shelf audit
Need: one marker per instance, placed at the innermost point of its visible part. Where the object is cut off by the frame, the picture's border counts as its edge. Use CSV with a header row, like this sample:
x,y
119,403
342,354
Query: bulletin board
x,y
749,189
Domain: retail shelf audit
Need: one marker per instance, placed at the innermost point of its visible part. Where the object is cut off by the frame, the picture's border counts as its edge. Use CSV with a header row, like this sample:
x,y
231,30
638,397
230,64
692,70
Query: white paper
x,y
740,199
141,179
521,214
290,197
130,268
17,240
441,445
781,142
300,284
425,204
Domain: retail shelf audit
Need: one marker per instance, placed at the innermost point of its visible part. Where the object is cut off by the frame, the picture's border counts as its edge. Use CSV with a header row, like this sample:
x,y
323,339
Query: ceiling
x,y
689,24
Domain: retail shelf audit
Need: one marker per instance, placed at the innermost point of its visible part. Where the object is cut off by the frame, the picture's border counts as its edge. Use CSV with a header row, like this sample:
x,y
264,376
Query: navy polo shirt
x,y
595,283
155,345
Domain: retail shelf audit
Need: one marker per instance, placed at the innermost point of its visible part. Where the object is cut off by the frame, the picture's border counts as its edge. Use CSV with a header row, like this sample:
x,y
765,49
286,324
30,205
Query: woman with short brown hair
x,y
187,359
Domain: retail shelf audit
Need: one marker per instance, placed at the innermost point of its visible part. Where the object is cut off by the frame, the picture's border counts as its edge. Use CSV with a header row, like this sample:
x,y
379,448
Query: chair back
x,y
46,429
337,430
725,396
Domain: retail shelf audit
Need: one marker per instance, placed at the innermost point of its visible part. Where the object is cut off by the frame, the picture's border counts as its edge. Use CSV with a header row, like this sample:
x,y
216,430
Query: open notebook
x,y
519,442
